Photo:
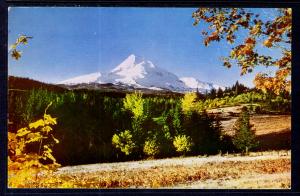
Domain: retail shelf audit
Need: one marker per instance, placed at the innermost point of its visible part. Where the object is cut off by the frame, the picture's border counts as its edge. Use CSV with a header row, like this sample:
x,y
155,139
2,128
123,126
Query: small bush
x,y
25,164
227,144
183,143
151,148
124,142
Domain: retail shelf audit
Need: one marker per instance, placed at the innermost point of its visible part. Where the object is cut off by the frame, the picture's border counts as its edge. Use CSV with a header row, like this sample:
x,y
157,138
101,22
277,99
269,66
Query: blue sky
x,y
68,42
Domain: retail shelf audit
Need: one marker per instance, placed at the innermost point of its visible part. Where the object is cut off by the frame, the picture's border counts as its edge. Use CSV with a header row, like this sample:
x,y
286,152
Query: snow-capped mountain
x,y
195,84
137,72
140,73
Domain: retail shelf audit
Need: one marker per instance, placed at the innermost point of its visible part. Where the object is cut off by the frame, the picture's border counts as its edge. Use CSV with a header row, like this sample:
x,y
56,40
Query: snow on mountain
x,y
140,73
215,86
88,78
137,72
195,84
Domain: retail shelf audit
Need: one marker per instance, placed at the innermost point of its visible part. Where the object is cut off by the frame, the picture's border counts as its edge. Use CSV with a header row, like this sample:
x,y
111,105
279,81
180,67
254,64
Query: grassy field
x,y
258,170
272,131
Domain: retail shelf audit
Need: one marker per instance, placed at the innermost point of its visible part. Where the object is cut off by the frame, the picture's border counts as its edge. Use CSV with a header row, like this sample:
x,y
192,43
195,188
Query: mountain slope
x,y
88,78
140,73
195,84
137,72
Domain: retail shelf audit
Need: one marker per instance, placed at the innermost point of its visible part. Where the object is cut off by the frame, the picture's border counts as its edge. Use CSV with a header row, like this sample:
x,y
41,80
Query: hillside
x,y
24,84
19,83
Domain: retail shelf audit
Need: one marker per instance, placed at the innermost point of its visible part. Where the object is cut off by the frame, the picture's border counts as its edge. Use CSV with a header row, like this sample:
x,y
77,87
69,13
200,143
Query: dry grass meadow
x,y
258,170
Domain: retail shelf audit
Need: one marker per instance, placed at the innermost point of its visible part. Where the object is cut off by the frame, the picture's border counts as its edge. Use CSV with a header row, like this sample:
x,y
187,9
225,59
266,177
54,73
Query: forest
x,y
109,127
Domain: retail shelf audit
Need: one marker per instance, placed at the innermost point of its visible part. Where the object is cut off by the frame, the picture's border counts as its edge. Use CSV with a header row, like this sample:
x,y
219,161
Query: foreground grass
x,y
257,181
156,177
244,172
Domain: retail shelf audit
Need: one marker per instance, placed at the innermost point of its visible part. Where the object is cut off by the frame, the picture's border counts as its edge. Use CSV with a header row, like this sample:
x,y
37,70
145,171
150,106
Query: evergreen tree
x,y
244,138
220,93
236,88
212,94
199,95
204,131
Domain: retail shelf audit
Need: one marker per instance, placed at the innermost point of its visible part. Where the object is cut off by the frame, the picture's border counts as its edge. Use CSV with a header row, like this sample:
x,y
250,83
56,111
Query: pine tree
x,y
244,138
212,93
220,93
236,86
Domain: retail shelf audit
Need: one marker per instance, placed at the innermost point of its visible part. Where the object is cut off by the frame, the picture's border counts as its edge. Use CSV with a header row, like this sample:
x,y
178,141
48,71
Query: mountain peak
x,y
138,72
131,61
137,59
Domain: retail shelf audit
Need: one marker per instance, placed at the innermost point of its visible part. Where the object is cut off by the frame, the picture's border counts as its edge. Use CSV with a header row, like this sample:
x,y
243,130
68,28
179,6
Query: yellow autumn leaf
x,y
289,11
49,120
22,132
22,39
50,156
46,147
13,46
56,140
16,54
34,139
18,152
47,129
268,43
36,124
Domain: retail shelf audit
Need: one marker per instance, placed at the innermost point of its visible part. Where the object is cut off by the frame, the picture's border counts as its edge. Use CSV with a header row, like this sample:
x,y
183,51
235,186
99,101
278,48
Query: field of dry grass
x,y
263,124
258,170
271,124
272,131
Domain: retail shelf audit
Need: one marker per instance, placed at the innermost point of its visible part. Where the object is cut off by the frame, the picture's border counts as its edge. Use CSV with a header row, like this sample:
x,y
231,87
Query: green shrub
x,y
124,142
227,144
151,147
182,143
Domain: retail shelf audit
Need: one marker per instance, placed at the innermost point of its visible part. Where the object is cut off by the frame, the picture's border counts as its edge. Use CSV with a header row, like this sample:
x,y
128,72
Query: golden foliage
x,y
277,84
124,142
134,103
151,147
182,143
22,39
24,166
188,103
224,23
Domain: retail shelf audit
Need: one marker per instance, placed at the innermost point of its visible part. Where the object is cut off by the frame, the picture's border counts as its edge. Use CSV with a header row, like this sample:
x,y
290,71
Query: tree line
x,y
109,128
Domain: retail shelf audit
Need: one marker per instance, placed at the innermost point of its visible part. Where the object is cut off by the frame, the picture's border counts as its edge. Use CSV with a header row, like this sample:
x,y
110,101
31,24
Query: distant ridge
x,y
18,83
